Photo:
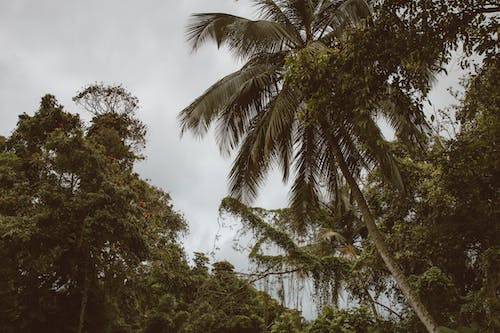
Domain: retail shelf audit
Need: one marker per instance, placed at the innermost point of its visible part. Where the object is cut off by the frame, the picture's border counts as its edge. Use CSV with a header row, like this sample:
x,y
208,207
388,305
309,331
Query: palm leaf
x,y
271,10
375,148
242,36
304,196
250,165
206,108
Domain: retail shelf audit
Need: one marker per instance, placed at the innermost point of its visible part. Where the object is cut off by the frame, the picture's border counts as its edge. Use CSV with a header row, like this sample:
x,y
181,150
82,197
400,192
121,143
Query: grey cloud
x,y
58,46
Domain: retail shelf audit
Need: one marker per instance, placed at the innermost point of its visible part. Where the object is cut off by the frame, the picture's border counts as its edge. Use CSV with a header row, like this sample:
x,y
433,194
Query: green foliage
x,y
357,320
86,244
287,322
75,221
445,231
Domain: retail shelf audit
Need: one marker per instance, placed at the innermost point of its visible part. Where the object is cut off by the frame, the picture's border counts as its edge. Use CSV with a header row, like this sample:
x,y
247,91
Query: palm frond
x,y
280,127
338,134
271,10
251,164
199,115
304,196
406,119
375,148
242,36
300,14
337,16
234,121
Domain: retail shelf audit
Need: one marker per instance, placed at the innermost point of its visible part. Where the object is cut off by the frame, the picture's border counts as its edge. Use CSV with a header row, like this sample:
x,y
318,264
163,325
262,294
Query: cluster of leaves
x,y
445,231
88,246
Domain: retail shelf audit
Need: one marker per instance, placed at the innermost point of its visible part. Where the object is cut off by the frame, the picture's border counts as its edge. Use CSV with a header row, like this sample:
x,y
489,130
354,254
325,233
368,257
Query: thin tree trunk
x,y
335,293
379,242
83,303
371,302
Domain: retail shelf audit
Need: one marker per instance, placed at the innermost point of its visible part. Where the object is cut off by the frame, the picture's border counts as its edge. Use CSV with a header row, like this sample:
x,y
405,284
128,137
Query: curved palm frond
x,y
280,127
375,149
337,16
408,122
301,16
305,191
268,140
199,115
254,95
250,165
242,36
270,10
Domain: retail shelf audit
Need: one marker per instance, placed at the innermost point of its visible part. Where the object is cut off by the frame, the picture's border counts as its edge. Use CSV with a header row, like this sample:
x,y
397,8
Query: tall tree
x,y
262,110
76,223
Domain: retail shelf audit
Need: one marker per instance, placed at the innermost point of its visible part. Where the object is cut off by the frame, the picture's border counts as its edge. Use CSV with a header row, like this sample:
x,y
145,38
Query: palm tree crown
x,y
262,111
256,107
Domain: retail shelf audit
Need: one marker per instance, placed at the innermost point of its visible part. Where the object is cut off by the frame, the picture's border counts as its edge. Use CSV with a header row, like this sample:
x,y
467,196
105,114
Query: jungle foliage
x,y
86,245
443,231
406,229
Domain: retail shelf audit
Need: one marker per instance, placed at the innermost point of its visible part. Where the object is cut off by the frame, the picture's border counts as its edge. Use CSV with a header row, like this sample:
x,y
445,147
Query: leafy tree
x,y
445,231
87,246
343,321
279,109
75,221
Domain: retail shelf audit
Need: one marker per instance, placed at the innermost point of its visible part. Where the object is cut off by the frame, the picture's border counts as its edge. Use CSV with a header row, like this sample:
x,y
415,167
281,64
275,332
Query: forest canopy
x,y
406,229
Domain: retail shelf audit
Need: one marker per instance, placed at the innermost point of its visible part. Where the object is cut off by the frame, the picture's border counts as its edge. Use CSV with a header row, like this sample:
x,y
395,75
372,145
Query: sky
x,y
59,46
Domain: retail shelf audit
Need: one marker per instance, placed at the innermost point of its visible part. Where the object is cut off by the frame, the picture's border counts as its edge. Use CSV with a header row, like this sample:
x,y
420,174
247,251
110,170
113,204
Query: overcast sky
x,y
58,46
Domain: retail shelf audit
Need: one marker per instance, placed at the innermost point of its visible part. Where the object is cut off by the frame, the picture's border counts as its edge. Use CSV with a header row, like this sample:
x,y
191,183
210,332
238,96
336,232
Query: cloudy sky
x,y
58,46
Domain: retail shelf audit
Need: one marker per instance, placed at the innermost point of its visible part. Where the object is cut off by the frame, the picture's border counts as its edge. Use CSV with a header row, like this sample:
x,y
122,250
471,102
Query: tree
x,y
265,109
445,230
76,223
88,246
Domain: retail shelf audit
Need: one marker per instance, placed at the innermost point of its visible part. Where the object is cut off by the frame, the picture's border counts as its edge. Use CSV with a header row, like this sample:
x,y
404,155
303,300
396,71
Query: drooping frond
x,y
253,96
250,165
329,170
278,137
337,16
338,134
271,10
375,149
305,191
242,36
407,120
300,14
206,108
356,10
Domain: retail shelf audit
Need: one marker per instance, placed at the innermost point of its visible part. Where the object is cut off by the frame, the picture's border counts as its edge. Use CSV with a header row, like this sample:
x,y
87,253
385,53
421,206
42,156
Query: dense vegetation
x,y
408,229
318,79
443,231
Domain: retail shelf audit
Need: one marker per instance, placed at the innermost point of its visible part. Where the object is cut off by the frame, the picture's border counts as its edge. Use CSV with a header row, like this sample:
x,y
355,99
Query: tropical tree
x,y
266,112
76,223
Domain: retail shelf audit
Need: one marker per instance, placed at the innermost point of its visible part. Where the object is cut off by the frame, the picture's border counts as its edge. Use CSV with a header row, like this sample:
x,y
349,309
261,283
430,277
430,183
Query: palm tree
x,y
261,113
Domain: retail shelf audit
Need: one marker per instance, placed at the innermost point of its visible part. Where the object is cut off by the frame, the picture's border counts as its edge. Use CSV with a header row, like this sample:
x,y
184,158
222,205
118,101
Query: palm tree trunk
x,y
379,241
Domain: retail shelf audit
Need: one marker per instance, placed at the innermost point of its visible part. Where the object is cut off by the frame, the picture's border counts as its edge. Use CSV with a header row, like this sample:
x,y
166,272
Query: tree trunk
x,y
371,303
83,304
379,242
335,293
